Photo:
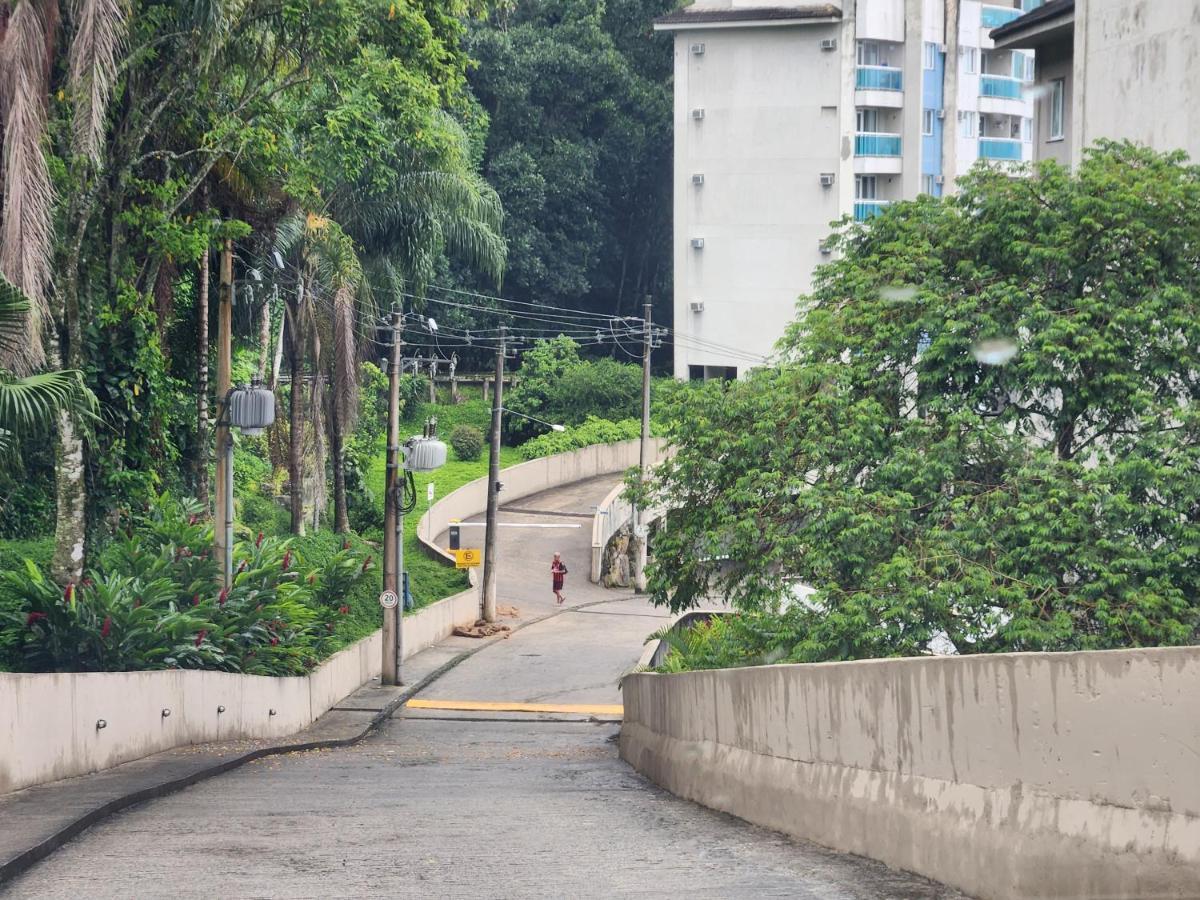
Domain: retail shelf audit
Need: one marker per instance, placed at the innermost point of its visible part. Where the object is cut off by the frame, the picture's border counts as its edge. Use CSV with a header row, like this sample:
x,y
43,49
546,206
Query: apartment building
x,y
1121,69
789,115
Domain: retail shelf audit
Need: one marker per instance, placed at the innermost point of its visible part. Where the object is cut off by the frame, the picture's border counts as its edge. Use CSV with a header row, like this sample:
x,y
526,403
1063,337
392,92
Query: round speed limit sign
x,y
389,600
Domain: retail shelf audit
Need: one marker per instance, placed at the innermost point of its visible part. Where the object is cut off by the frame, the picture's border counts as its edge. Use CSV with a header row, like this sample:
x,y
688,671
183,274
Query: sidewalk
x,y
38,820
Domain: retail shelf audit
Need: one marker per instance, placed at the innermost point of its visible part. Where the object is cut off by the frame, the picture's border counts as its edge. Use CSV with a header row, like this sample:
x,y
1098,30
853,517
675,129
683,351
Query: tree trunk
x,y
201,460
296,418
341,516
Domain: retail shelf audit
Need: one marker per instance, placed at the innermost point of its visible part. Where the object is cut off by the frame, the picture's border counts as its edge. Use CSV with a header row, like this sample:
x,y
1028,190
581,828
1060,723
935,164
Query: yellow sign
x,y
467,558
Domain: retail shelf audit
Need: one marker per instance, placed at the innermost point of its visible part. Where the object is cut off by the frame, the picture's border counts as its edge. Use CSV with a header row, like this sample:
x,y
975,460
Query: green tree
x,y
579,149
926,490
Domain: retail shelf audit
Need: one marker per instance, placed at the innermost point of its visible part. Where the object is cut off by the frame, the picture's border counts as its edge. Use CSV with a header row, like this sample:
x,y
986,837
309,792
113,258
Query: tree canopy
x,y
981,433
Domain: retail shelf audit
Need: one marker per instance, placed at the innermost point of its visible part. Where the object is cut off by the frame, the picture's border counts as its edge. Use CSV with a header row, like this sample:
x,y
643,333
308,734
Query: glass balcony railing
x,y
873,144
995,16
879,78
865,209
1001,86
999,148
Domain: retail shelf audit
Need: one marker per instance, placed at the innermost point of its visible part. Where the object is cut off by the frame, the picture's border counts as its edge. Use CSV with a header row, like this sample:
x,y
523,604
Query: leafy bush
x,y
152,602
592,431
557,385
467,443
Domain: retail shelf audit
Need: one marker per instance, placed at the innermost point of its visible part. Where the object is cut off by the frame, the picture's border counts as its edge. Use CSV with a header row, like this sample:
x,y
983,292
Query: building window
x,y
871,54
967,122
928,117
931,52
695,373
1057,99
927,185
868,121
970,57
1027,130
865,187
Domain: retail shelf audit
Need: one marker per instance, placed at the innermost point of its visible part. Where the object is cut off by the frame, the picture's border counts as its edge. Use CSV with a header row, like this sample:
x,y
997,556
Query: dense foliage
x,y
579,97
594,430
933,495
556,384
151,603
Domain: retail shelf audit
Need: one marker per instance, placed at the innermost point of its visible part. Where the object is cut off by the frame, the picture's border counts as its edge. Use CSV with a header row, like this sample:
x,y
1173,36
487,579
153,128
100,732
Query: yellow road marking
x,y
588,709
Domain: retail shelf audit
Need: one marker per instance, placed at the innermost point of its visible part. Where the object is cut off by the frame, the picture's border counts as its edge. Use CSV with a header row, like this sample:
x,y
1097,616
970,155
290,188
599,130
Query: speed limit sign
x,y
389,600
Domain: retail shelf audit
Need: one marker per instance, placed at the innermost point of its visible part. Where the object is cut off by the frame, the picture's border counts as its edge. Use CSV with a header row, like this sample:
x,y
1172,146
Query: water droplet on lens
x,y
995,351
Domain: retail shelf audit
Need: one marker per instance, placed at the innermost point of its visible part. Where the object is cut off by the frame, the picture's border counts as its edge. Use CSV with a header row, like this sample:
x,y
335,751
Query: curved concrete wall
x,y
524,480
48,721
1012,775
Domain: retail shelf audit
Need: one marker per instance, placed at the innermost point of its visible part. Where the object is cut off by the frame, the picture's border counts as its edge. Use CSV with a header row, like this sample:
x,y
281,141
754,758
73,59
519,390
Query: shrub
x,y
592,431
153,602
467,443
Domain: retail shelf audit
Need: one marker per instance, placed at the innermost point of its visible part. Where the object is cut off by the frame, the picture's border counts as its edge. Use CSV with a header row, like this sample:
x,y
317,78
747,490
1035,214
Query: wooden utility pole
x,y
639,524
224,483
392,579
488,600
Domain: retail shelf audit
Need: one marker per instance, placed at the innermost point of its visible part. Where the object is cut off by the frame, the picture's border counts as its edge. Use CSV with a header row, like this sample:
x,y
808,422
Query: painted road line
x,y
587,709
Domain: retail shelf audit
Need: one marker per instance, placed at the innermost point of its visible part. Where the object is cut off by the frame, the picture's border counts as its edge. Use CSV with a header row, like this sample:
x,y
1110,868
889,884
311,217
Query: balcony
x,y
995,16
879,78
1001,86
866,209
1000,148
876,144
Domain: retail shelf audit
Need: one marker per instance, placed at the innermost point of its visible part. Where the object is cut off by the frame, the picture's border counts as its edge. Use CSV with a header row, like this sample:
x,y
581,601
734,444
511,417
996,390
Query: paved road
x,y
464,803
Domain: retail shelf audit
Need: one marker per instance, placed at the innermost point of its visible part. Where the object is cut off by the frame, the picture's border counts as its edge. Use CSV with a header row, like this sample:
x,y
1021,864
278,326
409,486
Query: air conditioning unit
x,y
825,247
697,243
697,49
697,306
829,44
939,179
698,179
698,112
826,179
941,114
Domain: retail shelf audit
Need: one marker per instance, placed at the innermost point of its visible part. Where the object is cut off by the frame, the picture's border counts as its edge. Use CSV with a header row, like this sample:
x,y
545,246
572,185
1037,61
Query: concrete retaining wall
x,y
48,721
1014,775
524,480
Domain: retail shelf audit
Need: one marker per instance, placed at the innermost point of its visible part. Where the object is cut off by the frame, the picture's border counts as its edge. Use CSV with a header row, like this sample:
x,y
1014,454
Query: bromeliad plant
x,y
155,602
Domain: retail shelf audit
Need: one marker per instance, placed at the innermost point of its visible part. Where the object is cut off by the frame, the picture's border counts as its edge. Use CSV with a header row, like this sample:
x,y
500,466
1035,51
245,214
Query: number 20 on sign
x,y
467,558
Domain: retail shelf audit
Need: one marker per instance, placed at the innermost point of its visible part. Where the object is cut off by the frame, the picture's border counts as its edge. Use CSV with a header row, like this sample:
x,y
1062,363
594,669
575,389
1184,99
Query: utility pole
x,y
489,540
393,543
223,521
639,575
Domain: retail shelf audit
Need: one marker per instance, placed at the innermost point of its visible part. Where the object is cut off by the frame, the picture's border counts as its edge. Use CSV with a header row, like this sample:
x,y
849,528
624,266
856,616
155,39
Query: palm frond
x,y
99,35
14,311
29,405
26,234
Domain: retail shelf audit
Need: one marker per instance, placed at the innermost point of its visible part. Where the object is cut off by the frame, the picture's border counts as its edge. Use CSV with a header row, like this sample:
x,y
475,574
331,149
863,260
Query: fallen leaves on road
x,y
480,629
510,612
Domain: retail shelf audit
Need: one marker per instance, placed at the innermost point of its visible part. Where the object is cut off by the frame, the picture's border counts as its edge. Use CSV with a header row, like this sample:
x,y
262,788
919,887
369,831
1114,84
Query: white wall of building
x,y
1140,63
771,98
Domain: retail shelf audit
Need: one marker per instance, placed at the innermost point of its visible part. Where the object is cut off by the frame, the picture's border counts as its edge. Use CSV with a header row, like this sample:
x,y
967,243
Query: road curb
x,y
26,859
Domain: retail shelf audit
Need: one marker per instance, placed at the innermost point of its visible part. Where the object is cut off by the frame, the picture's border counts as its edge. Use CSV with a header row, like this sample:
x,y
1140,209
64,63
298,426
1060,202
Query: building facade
x,y
790,115
1121,69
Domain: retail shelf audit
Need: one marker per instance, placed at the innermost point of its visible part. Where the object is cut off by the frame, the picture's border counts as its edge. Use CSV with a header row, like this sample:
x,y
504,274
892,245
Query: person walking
x,y
558,572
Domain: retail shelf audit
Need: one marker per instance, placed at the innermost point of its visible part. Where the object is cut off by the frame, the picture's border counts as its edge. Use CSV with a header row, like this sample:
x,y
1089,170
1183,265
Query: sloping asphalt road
x,y
453,802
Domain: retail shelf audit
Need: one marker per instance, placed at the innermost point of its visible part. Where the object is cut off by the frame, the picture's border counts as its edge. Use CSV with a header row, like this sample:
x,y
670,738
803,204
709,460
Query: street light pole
x,y
488,597
223,518
392,539
639,575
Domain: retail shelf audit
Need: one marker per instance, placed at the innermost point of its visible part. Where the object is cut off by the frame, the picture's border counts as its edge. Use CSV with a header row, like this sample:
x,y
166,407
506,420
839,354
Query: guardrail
x,y
879,78
876,144
1000,148
1003,87
615,512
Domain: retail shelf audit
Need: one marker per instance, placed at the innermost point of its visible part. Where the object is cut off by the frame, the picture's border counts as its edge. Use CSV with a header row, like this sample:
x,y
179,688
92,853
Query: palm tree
x,y
30,404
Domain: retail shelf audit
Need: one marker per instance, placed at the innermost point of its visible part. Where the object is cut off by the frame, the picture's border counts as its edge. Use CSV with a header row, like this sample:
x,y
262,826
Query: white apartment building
x,y
789,115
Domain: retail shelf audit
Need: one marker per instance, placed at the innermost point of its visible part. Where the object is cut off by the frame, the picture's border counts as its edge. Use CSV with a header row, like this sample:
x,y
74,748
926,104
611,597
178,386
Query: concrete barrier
x,y
1008,776
48,722
615,512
